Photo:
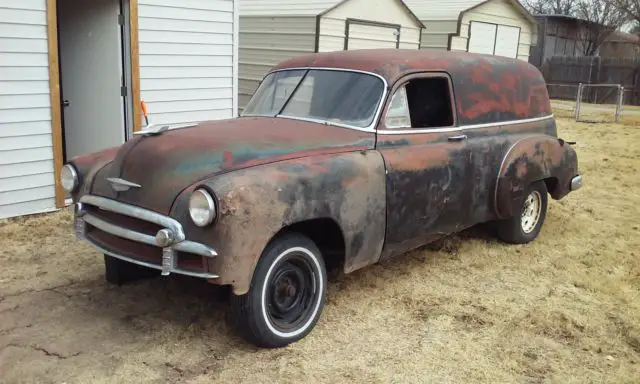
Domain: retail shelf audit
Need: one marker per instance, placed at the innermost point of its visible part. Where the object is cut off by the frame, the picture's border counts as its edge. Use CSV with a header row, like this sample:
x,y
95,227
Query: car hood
x,y
166,164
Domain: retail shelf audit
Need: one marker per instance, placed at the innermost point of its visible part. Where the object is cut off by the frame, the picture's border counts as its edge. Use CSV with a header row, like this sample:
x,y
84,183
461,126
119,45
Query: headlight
x,y
69,178
202,208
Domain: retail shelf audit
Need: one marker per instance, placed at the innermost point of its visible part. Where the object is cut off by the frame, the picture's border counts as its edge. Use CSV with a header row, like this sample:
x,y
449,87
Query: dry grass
x,y
564,309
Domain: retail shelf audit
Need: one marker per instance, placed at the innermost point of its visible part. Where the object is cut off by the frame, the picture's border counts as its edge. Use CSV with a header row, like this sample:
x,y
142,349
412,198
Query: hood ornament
x,y
121,185
157,129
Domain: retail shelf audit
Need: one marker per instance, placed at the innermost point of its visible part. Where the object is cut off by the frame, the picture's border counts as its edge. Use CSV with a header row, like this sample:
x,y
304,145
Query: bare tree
x,y
630,8
598,19
550,7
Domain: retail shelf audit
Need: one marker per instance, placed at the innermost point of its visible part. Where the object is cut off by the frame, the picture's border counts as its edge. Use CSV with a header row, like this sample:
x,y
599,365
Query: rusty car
x,y
340,160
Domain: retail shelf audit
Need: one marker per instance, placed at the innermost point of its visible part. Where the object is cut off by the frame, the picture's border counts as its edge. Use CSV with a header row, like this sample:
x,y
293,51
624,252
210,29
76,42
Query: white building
x,y
495,27
275,30
73,72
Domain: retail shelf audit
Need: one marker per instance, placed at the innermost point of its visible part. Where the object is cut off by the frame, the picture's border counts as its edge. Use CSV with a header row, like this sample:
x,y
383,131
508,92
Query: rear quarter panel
x,y
254,204
530,159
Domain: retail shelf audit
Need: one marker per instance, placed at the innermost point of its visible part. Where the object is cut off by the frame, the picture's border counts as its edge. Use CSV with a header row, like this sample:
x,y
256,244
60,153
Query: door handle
x,y
66,103
457,138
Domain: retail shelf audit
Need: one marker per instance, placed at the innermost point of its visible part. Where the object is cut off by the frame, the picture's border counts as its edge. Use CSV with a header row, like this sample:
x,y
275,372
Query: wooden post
x,y
135,65
54,96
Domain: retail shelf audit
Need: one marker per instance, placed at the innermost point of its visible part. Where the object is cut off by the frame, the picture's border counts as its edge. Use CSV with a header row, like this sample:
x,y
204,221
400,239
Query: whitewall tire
x,y
286,296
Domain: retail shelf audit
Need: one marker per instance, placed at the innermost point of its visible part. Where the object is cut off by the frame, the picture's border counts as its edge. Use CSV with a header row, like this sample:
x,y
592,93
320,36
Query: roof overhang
x,y
411,14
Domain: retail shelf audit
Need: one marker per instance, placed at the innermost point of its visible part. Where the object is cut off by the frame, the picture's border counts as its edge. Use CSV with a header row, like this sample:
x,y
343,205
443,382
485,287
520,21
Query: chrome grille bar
x,y
169,253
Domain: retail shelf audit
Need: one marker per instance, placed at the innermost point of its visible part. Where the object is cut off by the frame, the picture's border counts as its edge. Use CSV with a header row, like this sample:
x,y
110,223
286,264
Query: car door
x,y
427,163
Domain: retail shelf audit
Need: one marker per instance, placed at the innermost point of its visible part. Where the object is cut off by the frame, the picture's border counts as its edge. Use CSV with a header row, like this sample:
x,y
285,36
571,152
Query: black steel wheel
x,y
287,293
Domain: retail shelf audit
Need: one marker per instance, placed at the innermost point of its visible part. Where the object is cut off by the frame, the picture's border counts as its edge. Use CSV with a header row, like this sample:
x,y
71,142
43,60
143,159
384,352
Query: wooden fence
x,y
564,73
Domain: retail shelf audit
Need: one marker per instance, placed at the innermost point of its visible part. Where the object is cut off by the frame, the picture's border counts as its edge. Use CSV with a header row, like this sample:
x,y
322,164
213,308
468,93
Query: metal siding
x,y
187,59
371,37
26,166
331,34
435,35
434,41
409,37
440,10
266,41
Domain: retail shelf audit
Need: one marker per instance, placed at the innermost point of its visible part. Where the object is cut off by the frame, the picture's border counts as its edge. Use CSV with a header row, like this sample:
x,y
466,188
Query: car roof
x,y
393,63
487,89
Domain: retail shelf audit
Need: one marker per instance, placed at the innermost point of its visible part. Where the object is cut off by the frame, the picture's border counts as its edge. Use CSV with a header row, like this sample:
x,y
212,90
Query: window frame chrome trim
x,y
462,127
370,128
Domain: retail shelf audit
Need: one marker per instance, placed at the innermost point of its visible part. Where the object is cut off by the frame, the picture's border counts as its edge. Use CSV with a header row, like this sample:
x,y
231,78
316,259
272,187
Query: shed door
x,y
494,39
482,37
369,35
507,41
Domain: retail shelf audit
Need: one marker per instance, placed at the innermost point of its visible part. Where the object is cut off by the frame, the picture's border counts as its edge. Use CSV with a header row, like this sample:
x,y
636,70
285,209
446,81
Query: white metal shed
x,y
494,27
73,72
275,30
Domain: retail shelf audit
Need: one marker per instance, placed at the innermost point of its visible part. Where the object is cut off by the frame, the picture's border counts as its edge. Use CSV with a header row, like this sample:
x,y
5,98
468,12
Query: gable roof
x,y
452,9
301,8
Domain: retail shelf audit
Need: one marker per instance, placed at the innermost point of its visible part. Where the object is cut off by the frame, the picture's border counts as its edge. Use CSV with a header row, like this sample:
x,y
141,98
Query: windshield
x,y
342,97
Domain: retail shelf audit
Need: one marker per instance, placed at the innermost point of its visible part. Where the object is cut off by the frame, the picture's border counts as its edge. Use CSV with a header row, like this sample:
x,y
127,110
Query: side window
x,y
398,115
421,103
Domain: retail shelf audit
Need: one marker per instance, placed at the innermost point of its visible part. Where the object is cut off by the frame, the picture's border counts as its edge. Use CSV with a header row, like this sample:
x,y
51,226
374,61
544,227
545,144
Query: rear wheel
x,y
120,272
526,224
286,296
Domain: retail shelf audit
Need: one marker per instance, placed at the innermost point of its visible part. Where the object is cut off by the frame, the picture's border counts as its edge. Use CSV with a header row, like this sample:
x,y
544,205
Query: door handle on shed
x,y
457,138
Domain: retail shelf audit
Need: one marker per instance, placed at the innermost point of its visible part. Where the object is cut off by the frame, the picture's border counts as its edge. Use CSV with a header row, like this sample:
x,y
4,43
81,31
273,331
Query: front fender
x,y
254,204
532,159
88,167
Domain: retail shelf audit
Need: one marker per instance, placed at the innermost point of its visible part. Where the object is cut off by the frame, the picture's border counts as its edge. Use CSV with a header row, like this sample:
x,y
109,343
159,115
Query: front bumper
x,y
99,218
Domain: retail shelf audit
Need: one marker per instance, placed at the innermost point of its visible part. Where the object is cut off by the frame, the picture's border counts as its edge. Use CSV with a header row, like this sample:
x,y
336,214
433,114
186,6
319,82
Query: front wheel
x,y
286,296
525,226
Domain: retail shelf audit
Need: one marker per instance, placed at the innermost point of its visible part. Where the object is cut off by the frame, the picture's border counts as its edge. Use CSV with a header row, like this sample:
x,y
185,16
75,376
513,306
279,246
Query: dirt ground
x,y
564,309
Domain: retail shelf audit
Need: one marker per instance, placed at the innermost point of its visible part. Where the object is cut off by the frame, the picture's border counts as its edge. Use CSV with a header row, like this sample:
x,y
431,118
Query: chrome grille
x,y
128,233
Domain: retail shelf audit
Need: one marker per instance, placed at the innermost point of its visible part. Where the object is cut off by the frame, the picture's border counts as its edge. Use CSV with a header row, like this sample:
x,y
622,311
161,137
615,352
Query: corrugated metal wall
x,y
265,41
26,154
187,59
270,32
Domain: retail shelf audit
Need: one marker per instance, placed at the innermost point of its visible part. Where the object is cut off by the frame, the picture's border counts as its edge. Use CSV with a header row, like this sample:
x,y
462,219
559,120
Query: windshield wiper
x,y
292,94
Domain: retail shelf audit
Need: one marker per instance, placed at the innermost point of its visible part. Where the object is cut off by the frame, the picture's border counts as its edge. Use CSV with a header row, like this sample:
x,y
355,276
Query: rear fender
x,y
529,160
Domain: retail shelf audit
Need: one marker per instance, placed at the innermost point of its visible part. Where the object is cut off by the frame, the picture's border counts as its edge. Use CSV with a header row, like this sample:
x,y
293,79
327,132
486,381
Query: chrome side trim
x,y
154,266
510,122
462,127
376,117
138,213
324,122
119,231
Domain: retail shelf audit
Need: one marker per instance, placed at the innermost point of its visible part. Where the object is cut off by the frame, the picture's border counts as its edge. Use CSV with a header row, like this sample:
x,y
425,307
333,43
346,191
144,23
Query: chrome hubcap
x,y
531,212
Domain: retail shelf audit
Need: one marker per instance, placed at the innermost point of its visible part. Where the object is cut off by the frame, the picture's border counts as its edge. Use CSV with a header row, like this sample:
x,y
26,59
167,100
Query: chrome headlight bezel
x,y
202,207
69,178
